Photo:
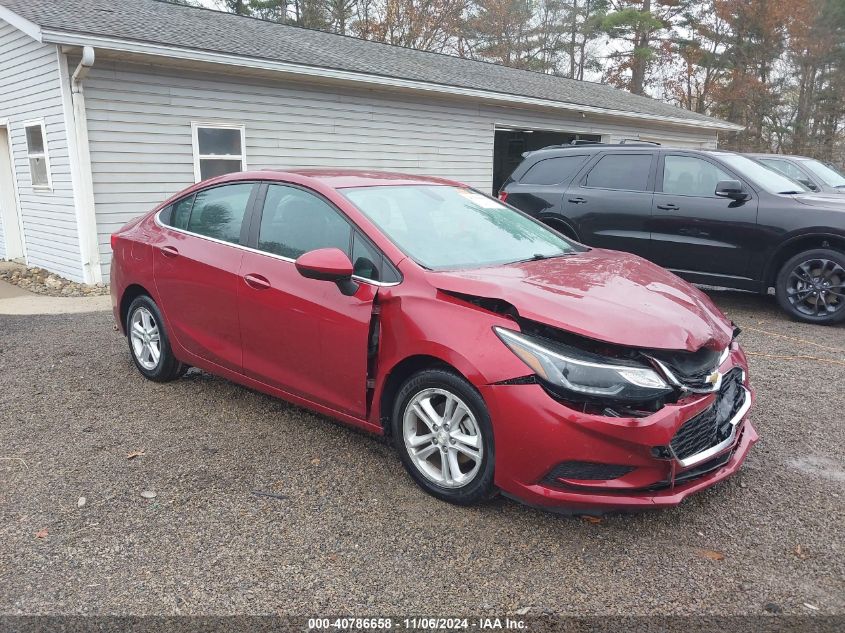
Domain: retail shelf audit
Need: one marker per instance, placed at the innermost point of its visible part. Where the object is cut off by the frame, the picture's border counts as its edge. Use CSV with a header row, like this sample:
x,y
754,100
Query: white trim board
x,y
22,24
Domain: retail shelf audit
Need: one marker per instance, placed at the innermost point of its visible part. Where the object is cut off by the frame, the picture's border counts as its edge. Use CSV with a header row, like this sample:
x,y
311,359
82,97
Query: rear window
x,y
620,171
553,171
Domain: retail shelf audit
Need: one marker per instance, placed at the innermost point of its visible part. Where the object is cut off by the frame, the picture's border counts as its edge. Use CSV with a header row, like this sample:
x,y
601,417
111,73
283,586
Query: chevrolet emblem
x,y
713,379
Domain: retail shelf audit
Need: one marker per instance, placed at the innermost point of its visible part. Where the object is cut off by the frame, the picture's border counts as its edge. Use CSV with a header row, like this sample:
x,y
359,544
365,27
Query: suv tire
x,y
811,286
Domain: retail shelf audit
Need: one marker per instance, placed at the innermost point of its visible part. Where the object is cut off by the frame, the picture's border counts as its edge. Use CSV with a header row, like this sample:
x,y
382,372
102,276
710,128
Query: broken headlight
x,y
582,375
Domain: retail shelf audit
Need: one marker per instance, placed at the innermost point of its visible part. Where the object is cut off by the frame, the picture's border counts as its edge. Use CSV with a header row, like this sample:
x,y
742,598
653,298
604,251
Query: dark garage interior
x,y
509,145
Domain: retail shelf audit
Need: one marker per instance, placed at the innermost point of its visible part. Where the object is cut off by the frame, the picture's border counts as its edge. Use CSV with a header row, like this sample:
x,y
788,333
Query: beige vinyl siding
x,y
29,91
139,126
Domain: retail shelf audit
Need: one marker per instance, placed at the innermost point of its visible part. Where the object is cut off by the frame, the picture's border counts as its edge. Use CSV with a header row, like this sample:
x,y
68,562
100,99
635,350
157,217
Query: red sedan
x,y
496,353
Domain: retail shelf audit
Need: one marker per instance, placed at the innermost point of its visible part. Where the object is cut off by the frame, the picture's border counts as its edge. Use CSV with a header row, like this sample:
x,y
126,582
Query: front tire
x,y
149,344
811,286
442,430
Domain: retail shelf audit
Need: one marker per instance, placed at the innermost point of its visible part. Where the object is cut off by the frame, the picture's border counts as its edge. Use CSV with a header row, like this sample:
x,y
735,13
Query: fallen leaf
x,y
811,606
82,501
525,610
148,494
42,533
316,461
591,519
800,552
711,554
135,454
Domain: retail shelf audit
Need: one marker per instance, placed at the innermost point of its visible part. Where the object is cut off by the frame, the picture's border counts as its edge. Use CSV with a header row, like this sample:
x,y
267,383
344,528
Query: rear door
x,y
694,230
540,190
303,335
610,202
196,270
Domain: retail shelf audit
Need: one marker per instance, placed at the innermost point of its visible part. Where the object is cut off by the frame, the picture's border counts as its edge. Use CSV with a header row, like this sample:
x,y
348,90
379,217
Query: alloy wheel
x,y
146,338
442,438
816,287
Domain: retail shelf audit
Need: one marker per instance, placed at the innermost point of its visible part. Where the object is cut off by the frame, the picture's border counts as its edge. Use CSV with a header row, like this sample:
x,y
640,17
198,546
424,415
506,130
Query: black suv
x,y
712,217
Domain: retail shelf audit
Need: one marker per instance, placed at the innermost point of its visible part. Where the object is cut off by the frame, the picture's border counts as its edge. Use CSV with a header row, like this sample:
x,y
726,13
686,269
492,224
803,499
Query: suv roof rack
x,y
581,143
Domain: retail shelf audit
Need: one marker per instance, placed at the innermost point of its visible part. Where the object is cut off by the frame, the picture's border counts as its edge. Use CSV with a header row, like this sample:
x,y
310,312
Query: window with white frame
x,y
218,150
36,153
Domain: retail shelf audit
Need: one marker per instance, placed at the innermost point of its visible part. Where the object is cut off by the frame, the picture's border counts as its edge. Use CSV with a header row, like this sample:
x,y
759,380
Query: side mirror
x,y
328,264
809,184
731,189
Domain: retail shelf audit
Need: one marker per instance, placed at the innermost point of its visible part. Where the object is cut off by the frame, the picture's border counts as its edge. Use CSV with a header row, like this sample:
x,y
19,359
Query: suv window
x,y
551,171
691,176
784,167
219,212
620,171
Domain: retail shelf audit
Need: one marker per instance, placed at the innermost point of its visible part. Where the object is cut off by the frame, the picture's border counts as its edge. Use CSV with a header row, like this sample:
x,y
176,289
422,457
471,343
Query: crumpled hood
x,y
605,295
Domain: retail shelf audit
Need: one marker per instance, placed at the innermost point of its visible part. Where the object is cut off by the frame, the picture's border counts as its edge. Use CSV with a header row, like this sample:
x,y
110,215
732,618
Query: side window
x,y
219,212
691,176
552,171
620,171
787,169
178,213
36,153
366,261
294,222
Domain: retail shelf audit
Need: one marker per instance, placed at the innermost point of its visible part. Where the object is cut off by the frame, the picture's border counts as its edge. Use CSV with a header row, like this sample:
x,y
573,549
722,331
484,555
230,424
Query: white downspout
x,y
90,243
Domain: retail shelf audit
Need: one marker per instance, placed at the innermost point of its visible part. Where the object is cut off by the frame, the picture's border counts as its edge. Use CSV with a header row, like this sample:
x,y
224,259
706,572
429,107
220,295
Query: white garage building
x,y
109,106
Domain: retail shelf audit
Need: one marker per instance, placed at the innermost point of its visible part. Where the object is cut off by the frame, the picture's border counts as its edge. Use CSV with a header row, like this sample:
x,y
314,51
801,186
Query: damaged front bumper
x,y
550,455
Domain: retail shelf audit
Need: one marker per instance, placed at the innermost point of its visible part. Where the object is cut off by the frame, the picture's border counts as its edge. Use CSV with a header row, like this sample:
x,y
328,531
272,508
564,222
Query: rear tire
x,y
810,286
442,430
149,344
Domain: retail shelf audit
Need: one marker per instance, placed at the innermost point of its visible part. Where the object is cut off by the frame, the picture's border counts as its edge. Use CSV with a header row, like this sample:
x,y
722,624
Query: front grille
x,y
713,425
691,368
693,473
587,471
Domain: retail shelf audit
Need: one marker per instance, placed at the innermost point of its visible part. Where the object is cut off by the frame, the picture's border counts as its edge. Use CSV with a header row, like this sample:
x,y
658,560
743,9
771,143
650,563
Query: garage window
x,y
36,153
218,150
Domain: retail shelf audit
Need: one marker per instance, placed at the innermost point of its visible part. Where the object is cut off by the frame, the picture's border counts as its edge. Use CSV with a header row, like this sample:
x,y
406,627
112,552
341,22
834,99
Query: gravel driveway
x,y
350,533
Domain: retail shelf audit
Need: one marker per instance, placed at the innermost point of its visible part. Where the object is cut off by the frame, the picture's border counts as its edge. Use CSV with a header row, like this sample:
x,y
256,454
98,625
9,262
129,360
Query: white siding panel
x,y
139,124
29,90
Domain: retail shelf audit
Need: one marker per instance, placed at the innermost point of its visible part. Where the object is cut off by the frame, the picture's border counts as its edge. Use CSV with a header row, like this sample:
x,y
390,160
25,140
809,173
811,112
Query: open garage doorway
x,y
510,143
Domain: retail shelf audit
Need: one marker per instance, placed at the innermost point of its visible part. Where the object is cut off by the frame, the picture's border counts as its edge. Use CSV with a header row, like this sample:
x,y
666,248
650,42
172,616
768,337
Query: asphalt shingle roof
x,y
167,24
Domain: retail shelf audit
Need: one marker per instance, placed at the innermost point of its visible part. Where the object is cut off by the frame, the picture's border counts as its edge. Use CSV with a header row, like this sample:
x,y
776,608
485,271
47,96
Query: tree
x,y
638,25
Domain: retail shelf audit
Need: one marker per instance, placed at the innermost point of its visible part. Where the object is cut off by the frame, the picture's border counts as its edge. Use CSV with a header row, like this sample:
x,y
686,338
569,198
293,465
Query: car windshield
x,y
765,177
443,227
828,175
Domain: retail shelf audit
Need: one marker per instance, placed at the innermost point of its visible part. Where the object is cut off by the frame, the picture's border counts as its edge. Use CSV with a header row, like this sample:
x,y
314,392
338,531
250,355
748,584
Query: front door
x,y
196,271
693,230
611,203
10,221
303,335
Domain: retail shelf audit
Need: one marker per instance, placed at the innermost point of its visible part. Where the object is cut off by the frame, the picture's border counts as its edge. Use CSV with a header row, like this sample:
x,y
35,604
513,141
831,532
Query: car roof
x,y
779,156
337,178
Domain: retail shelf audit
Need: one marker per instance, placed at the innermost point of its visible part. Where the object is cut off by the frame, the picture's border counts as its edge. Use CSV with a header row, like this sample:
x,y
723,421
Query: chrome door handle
x,y
256,281
668,207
